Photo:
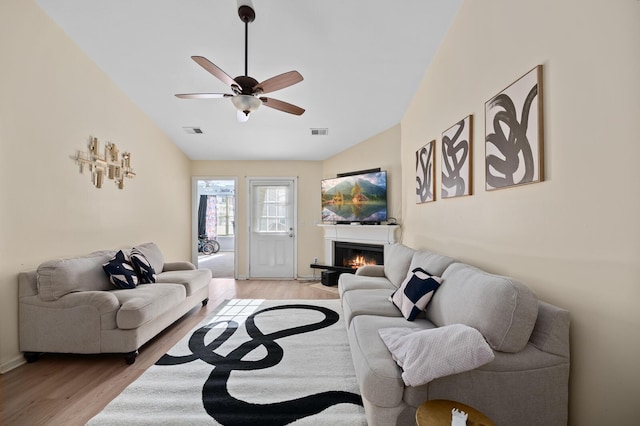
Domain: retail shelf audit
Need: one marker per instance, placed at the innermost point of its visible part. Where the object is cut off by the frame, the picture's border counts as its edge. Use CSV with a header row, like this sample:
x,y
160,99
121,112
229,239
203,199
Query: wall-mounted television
x,y
355,197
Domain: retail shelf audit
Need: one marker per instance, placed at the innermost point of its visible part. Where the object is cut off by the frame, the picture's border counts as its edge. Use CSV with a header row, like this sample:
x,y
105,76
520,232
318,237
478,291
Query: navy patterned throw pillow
x,y
415,292
142,266
120,271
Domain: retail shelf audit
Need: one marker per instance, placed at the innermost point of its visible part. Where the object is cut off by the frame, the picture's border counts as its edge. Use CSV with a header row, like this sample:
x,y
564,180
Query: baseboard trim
x,y
305,278
11,364
298,278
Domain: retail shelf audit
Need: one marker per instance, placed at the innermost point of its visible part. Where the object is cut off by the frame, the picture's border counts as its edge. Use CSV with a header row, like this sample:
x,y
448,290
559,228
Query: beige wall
x,y
308,174
53,99
381,150
575,238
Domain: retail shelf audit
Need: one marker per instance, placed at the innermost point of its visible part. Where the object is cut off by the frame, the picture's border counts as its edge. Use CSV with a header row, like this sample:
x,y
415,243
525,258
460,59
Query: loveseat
x,y
525,383
72,306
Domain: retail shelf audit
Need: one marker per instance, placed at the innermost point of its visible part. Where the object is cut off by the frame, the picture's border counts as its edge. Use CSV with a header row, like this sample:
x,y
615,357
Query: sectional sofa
x,y
71,305
524,383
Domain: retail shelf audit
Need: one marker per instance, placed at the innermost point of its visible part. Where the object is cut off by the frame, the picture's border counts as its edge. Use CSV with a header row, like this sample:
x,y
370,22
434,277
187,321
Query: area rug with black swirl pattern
x,y
252,362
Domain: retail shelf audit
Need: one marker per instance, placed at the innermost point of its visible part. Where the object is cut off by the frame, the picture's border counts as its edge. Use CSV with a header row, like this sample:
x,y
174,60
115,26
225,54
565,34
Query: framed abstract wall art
x,y
514,133
425,173
456,159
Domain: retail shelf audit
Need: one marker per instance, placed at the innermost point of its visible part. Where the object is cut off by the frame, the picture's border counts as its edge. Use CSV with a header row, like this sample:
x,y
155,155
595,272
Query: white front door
x,y
272,228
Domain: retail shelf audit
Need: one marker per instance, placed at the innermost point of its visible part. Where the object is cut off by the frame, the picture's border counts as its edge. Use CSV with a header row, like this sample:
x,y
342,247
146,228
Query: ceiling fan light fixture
x,y
242,117
246,103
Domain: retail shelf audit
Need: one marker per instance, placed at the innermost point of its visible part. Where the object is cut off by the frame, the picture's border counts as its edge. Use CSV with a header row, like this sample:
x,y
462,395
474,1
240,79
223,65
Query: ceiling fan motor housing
x,y
246,84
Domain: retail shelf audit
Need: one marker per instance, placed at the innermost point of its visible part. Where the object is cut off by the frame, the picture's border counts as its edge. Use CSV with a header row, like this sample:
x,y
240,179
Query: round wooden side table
x,y
438,413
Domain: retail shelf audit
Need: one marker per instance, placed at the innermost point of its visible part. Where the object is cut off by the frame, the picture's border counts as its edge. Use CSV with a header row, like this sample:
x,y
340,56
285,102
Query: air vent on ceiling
x,y
193,130
319,132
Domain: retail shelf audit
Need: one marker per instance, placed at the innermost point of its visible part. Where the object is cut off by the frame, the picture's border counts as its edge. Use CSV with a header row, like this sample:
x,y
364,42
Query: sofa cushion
x,y
379,377
371,270
425,355
348,282
397,258
192,279
415,292
433,263
120,271
59,277
153,254
146,273
368,302
502,309
146,302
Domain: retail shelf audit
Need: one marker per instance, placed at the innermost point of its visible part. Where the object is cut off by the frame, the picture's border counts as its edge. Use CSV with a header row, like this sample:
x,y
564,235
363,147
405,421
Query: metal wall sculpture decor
x,y
514,133
456,159
108,164
425,173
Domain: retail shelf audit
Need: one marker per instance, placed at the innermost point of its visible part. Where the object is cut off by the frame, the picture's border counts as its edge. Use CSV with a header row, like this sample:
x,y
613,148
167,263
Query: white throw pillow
x,y
425,355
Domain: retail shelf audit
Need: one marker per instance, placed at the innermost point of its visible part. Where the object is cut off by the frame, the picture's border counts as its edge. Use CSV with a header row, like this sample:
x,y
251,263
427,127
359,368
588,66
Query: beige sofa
x,y
70,306
526,383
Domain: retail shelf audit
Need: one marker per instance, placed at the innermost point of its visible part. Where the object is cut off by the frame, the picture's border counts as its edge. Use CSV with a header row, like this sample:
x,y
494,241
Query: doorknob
x,y
291,232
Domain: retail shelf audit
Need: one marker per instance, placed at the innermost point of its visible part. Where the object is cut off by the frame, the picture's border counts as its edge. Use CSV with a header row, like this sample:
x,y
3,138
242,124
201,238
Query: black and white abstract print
x,y
425,173
456,163
513,133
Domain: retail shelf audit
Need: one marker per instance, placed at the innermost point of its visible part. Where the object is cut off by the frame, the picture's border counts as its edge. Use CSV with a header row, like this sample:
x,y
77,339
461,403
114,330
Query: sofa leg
x,y
205,301
32,356
130,357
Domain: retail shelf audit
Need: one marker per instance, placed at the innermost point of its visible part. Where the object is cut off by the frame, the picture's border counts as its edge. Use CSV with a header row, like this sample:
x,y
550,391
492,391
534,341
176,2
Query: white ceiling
x,y
362,61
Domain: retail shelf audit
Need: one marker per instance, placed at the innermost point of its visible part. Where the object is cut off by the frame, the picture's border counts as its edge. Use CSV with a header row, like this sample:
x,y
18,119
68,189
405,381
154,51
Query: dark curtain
x,y
202,216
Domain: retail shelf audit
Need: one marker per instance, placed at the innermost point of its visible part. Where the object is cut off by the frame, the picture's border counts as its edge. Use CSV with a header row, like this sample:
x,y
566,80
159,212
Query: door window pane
x,y
271,203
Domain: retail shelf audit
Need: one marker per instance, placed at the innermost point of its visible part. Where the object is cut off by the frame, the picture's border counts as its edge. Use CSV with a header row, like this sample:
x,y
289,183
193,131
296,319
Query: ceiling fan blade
x,y
215,70
203,95
278,82
282,106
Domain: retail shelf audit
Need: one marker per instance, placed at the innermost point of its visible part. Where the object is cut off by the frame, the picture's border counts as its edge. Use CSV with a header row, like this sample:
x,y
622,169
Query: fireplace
x,y
380,235
365,241
353,255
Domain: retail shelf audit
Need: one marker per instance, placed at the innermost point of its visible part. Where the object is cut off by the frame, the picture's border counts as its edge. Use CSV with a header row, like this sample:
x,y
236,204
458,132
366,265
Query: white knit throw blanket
x,y
425,355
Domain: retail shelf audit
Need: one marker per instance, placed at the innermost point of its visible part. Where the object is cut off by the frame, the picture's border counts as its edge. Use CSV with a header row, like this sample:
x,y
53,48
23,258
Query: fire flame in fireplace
x,y
358,261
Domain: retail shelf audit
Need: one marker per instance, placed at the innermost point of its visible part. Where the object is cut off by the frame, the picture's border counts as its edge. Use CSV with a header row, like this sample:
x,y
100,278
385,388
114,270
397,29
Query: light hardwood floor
x,y
71,389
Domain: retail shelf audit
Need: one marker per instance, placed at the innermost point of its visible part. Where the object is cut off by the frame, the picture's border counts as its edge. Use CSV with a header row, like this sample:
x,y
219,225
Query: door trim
x,y
248,181
194,217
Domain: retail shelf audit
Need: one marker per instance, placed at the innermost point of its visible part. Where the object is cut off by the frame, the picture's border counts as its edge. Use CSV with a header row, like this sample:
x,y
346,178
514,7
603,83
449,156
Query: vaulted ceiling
x,y
362,62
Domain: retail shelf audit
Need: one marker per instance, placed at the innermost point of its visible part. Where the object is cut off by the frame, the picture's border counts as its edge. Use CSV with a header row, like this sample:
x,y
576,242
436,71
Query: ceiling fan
x,y
247,90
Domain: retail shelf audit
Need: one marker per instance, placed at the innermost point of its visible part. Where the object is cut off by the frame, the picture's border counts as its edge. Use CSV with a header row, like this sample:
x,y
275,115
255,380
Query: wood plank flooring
x,y
71,389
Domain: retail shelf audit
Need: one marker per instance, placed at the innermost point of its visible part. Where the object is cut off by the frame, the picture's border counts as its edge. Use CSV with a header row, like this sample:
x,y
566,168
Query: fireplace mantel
x,y
365,234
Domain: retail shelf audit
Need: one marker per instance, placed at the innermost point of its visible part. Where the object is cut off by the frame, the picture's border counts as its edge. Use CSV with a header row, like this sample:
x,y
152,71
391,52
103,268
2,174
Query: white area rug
x,y
253,362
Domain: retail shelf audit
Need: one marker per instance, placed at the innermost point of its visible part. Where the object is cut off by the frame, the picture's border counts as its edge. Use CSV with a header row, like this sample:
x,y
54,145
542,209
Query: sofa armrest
x,y
27,284
551,331
371,270
178,266
71,324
